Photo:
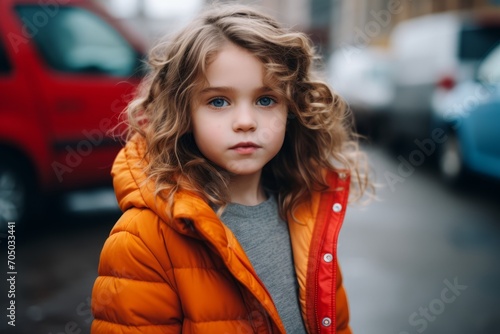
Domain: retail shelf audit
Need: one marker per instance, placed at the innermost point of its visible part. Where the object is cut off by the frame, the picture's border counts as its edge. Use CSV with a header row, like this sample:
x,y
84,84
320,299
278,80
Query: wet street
x,y
422,258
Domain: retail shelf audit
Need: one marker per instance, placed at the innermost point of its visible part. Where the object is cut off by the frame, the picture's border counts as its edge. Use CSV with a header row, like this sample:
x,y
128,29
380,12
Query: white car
x,y
469,116
435,50
362,77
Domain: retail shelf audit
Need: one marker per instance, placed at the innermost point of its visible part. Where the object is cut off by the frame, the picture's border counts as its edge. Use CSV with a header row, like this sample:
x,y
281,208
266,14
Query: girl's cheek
x,y
278,123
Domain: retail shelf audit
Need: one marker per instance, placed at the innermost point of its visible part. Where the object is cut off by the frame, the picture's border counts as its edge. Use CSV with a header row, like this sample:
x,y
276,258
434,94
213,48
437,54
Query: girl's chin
x,y
243,171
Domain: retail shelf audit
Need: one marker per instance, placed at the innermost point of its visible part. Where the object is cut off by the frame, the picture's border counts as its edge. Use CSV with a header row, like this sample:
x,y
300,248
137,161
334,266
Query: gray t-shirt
x,y
265,238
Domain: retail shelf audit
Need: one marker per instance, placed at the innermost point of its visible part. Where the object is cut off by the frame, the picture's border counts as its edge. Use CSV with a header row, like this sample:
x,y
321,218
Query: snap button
x,y
337,207
326,321
328,257
342,176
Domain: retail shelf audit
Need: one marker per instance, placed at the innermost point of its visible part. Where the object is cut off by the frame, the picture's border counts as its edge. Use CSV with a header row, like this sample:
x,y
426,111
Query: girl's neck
x,y
247,189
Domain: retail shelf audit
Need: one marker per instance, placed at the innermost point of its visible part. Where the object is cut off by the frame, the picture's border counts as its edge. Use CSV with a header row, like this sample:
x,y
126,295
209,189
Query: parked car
x,y
362,76
67,69
436,50
470,115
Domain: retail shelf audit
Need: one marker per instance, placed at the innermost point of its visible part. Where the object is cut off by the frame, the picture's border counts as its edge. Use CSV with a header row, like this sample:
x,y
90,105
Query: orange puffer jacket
x,y
189,274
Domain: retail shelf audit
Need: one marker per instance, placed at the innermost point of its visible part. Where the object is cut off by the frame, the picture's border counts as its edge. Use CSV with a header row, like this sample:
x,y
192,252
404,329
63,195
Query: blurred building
x,y
330,23
370,21
311,16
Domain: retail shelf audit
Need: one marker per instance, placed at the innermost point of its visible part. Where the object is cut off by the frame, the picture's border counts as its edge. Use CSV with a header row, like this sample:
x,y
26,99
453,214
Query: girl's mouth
x,y
245,147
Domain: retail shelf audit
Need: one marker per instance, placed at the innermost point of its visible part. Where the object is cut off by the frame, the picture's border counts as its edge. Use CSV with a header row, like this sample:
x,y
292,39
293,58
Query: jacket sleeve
x,y
342,306
133,292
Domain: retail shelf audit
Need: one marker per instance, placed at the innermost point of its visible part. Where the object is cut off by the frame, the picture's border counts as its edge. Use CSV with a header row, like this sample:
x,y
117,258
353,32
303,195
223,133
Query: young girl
x,y
233,183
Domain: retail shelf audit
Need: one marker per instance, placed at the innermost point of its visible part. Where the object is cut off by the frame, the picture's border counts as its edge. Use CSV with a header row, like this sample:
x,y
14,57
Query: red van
x,y
67,70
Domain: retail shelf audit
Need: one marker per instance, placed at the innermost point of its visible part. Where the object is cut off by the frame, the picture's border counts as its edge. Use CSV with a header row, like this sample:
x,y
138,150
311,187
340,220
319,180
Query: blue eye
x,y
266,101
218,103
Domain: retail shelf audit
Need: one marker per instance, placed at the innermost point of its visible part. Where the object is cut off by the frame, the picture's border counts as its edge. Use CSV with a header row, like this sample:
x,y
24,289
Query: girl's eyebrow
x,y
216,89
224,89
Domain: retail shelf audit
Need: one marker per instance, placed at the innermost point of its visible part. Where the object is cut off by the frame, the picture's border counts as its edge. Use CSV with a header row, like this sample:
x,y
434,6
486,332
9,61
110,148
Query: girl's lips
x,y
245,144
245,147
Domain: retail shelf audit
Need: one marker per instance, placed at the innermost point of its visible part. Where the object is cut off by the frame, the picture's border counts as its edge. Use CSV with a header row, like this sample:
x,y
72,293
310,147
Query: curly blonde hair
x,y
319,133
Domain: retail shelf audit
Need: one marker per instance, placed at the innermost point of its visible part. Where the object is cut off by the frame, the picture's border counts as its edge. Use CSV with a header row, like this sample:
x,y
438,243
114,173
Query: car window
x,y
5,66
489,70
476,42
77,41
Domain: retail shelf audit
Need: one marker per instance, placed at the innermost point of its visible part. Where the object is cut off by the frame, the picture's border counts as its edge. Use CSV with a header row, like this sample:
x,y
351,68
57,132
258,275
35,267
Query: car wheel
x,y
450,160
16,192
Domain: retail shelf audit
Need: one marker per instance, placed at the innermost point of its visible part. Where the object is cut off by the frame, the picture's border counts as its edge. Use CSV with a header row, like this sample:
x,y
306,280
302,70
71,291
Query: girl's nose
x,y
244,119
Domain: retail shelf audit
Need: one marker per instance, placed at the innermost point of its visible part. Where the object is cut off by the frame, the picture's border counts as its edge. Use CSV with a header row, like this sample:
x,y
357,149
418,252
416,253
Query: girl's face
x,y
238,121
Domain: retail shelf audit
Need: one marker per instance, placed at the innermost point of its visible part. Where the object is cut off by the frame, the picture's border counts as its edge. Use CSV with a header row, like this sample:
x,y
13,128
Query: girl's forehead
x,y
230,52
